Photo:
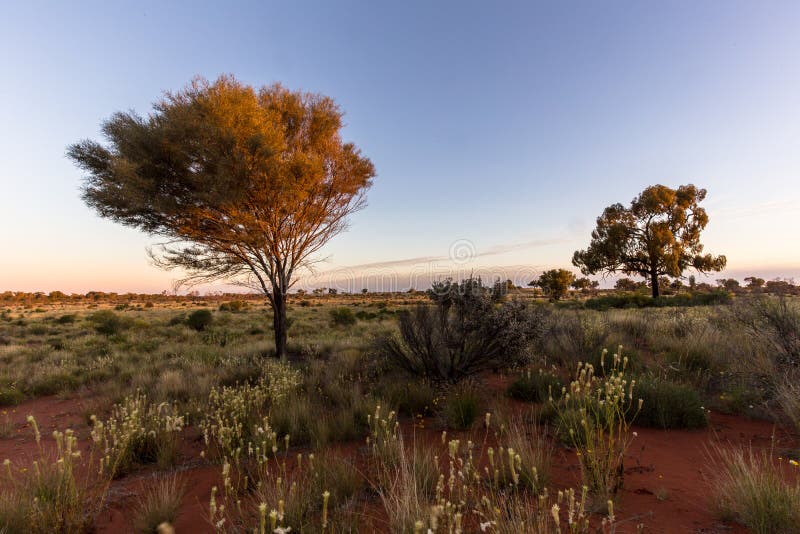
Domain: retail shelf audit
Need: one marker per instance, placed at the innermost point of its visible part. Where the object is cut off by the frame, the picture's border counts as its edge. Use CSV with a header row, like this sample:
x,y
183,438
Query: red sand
x,y
665,472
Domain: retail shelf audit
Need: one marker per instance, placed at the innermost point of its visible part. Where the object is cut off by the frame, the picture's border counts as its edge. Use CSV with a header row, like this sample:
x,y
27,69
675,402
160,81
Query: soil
x,y
666,472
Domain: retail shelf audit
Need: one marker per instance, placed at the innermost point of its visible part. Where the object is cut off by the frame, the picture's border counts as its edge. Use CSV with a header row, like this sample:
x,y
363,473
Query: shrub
x,y
137,432
200,319
408,398
158,503
108,323
343,316
605,407
535,386
750,488
237,418
669,405
461,408
10,395
177,319
639,300
465,331
68,318
233,306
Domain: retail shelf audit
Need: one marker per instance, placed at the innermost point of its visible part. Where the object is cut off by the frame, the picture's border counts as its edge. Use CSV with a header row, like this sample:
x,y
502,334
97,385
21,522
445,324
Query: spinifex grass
x,y
751,488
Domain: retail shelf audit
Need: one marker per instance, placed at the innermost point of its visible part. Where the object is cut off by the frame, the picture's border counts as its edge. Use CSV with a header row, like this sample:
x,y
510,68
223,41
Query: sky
x,y
499,130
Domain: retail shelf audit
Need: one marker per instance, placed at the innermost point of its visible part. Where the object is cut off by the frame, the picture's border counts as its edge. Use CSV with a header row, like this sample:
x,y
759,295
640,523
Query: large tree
x,y
659,234
243,184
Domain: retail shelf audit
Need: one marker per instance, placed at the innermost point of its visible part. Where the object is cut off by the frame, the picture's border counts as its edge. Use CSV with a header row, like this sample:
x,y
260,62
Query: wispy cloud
x,y
475,253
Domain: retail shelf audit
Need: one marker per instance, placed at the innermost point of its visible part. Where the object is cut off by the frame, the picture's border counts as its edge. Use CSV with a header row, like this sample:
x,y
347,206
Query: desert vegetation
x,y
467,408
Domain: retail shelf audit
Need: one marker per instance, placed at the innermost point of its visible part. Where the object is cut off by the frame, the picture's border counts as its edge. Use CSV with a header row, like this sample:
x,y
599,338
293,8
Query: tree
x,y
729,284
753,282
582,284
658,235
243,184
555,282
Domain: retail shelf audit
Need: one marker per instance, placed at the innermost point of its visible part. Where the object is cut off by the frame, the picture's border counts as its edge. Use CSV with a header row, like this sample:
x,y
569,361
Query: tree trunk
x,y
279,321
654,283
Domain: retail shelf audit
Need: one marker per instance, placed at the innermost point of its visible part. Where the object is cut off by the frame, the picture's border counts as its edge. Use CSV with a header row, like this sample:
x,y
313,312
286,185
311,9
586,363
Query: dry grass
x,y
751,488
158,503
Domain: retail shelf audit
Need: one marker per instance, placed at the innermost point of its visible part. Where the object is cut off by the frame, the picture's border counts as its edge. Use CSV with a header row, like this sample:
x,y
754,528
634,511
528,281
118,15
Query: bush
x,y
669,405
465,331
68,318
108,323
138,432
233,306
461,408
343,316
412,399
535,386
639,300
200,319
10,396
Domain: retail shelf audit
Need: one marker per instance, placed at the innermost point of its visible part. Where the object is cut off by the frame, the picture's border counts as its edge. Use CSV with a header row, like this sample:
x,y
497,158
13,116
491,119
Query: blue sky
x,y
500,128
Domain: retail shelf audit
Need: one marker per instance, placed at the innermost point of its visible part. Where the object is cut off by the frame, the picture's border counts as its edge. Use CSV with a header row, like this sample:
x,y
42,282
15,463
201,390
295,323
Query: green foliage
x,y
67,318
200,319
535,386
343,316
555,282
461,407
669,405
10,395
408,398
108,323
233,306
638,300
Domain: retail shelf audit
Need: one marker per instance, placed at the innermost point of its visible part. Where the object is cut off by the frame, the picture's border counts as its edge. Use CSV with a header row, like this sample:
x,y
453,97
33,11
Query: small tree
x,y
582,284
753,282
555,282
244,184
658,235
626,284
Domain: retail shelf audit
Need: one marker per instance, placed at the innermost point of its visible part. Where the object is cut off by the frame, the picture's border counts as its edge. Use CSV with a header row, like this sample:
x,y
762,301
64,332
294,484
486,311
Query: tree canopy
x,y
243,184
658,235
555,282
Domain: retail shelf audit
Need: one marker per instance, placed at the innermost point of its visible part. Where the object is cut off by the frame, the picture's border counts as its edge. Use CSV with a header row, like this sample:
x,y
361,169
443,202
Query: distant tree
x,y
333,291
729,284
582,283
365,291
754,282
555,282
659,234
692,282
781,287
626,284
244,184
